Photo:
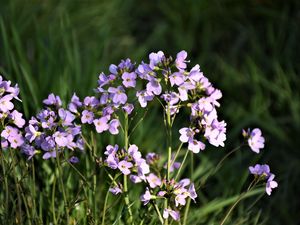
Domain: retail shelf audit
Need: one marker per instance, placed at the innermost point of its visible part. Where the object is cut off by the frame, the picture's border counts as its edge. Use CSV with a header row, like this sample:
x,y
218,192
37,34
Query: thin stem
x,y
5,183
183,161
169,139
176,154
225,157
52,202
251,186
33,188
62,186
187,208
125,186
169,146
158,213
104,207
186,211
17,186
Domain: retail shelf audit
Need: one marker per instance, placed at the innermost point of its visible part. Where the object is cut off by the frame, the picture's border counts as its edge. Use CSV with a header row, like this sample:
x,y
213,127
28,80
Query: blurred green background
x,y
249,49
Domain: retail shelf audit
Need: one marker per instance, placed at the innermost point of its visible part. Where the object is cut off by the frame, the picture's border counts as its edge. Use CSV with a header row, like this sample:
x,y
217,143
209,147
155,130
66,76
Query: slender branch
x,y
183,161
251,186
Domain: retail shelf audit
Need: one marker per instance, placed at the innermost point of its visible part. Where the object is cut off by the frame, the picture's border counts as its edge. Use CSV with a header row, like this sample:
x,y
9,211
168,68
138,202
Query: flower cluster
x,y
126,161
11,119
52,131
256,142
263,172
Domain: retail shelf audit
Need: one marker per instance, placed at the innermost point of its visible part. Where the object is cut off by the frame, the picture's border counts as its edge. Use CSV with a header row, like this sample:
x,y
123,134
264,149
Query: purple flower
x,y
255,140
181,60
128,108
113,126
49,155
5,104
154,87
155,58
66,116
271,184
116,189
112,161
195,146
153,180
16,140
17,118
142,167
186,134
129,79
52,100
192,192
74,104
61,138
87,117
31,133
177,78
117,94
101,124
169,212
263,171
133,151
91,101
28,150
145,198
74,160
125,166
259,170
144,97
152,158
48,143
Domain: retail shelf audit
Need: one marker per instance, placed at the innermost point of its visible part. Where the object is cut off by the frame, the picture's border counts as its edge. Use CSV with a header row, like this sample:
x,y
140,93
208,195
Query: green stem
x,y
62,186
169,144
5,184
181,165
53,202
251,186
104,207
33,189
158,213
125,186
169,139
187,208
17,186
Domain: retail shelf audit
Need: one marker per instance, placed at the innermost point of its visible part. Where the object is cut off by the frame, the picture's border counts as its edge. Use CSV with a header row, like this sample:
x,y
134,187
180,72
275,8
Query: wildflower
x,y
169,212
113,126
17,118
144,97
124,167
117,95
146,197
271,184
153,180
74,160
180,60
52,100
101,124
263,172
87,117
117,189
74,104
129,79
6,104
255,139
